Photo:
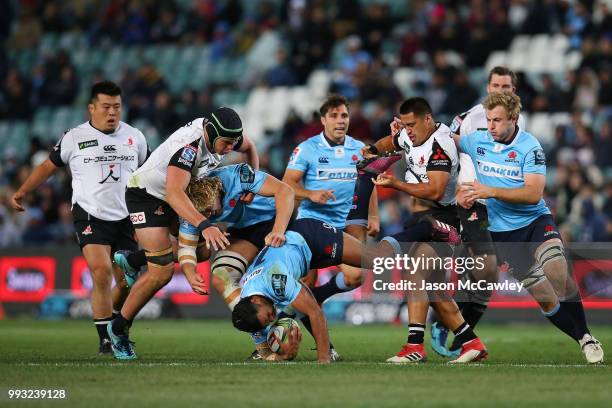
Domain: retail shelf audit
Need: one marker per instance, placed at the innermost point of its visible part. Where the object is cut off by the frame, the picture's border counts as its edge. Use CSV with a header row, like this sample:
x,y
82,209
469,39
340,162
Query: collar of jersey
x,y
327,144
518,134
104,133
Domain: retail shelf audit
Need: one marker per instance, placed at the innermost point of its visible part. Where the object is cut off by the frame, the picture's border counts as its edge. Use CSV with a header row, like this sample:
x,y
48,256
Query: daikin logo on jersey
x,y
340,174
500,171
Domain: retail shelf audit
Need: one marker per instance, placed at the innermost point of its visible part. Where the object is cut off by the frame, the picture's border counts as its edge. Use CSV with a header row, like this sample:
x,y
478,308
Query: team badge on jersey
x,y
247,174
339,152
188,153
456,125
540,157
512,157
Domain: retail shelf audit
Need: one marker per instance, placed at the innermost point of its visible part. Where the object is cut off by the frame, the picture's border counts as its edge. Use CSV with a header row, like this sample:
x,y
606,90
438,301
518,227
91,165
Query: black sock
x,y
115,314
472,312
334,286
306,322
121,325
563,320
463,334
573,306
101,328
137,259
416,333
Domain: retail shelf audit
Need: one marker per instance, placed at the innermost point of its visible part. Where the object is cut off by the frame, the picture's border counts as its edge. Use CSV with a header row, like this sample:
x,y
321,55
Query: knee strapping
x,y
553,252
229,266
533,277
160,258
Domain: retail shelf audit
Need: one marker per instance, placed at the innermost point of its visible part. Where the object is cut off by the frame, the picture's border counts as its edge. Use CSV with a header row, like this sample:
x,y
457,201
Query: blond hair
x,y
507,100
204,191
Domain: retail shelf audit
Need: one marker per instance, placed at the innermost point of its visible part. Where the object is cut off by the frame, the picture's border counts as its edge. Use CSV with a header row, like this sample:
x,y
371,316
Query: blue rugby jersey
x,y
505,166
238,179
276,272
328,167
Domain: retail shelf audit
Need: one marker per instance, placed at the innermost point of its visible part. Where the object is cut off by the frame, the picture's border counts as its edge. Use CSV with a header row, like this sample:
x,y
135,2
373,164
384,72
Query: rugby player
x,y
322,172
253,226
156,197
430,179
473,218
102,155
511,175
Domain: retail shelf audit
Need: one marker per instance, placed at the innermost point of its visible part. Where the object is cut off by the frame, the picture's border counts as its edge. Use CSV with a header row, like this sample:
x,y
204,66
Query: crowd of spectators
x,y
361,42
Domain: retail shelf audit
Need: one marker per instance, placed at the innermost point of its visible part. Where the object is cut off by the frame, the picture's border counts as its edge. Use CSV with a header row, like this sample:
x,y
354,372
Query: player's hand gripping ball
x,y
278,336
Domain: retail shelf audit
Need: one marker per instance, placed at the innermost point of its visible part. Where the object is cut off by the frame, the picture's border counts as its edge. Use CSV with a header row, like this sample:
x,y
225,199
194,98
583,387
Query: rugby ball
x,y
279,333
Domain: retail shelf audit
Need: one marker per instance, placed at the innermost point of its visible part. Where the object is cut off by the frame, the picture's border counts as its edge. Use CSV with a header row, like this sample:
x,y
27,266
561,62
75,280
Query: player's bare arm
x,y
41,173
373,220
306,304
248,148
294,179
384,145
387,143
531,193
284,199
433,190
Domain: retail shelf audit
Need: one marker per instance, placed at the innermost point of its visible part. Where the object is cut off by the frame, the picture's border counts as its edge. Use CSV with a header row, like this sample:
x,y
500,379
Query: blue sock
x,y
563,320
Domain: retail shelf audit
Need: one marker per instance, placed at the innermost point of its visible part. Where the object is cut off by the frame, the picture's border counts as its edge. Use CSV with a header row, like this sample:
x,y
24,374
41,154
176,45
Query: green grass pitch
x,y
200,363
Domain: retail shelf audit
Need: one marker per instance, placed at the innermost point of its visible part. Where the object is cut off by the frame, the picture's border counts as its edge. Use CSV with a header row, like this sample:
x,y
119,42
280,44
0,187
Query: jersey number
x,y
260,258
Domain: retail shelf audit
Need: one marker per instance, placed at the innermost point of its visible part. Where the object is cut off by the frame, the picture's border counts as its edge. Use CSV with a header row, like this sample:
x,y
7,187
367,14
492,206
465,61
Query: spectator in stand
x,y
15,97
551,93
282,74
461,94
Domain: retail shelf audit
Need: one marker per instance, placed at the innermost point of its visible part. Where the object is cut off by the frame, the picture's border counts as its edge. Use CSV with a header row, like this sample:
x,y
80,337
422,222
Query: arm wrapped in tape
x,y
188,243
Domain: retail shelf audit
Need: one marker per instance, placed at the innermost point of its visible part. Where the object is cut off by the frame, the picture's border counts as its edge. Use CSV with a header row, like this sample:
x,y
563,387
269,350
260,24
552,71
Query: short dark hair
x,y
244,316
417,105
106,88
503,71
333,101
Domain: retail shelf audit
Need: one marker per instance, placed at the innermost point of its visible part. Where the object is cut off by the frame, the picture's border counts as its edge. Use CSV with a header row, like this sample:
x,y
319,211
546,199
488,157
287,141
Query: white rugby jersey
x,y
469,122
438,153
186,149
101,165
